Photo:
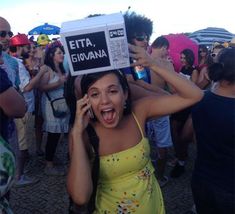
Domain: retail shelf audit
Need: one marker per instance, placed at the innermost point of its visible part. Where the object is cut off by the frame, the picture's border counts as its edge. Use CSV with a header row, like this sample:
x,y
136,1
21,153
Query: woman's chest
x,y
118,139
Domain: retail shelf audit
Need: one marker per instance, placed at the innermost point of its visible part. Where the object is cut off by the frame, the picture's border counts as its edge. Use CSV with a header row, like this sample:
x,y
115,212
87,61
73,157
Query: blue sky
x,y
169,16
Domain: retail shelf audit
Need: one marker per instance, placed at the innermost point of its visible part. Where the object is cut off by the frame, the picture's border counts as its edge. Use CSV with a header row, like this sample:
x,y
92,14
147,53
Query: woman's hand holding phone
x,y
82,114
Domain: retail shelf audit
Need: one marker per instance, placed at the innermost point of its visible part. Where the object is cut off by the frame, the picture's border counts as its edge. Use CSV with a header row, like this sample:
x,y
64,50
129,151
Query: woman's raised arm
x,y
187,93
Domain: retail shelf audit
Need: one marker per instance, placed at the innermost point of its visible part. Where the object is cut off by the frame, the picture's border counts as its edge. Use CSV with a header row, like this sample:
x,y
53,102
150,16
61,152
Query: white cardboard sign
x,y
95,44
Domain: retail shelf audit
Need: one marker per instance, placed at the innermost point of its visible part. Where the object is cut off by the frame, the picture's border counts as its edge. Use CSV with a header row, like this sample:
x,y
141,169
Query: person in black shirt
x,y
214,121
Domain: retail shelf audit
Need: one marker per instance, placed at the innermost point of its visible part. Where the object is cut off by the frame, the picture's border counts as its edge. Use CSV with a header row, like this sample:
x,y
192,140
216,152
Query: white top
x,y
24,81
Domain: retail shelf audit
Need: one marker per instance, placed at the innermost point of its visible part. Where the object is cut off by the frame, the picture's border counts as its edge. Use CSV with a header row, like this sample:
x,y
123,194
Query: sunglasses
x,y
141,38
214,54
4,33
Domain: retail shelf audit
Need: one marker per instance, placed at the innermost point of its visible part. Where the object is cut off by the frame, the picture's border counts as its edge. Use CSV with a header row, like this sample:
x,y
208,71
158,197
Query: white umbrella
x,y
210,35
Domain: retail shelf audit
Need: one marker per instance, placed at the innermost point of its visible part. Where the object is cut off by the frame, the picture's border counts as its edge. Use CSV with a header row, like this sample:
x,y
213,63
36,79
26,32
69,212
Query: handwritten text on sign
x,y
88,51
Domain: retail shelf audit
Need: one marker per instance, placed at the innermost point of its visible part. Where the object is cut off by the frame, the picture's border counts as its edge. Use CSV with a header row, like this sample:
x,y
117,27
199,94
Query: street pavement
x,y
49,195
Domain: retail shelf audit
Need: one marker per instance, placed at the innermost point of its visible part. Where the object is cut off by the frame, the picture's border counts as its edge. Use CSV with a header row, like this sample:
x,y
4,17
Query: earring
x,y
125,106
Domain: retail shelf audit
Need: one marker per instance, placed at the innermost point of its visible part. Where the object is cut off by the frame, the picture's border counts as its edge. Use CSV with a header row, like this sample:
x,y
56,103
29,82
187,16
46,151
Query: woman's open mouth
x,y
108,115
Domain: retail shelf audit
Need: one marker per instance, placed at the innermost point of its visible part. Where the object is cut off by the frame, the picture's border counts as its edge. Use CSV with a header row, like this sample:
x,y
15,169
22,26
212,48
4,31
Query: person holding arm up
x,y
121,176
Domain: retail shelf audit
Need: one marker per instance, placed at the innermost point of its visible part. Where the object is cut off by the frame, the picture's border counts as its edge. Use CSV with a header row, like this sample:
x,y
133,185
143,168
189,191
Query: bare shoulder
x,y
139,108
46,70
44,67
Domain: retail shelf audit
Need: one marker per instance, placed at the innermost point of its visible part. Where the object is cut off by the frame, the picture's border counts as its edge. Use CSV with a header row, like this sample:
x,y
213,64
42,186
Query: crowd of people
x,y
150,105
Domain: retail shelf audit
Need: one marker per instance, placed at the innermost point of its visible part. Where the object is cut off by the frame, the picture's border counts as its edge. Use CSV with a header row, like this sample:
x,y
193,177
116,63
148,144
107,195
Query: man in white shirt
x,y
20,46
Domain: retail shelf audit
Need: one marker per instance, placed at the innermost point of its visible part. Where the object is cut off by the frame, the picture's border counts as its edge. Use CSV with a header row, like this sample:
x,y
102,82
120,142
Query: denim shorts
x,y
159,132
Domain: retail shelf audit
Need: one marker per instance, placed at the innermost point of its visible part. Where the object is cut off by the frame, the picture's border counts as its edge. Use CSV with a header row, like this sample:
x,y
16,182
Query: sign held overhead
x,y
95,44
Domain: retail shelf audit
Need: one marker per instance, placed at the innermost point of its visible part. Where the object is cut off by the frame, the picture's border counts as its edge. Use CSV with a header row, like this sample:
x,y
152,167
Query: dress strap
x,y
138,124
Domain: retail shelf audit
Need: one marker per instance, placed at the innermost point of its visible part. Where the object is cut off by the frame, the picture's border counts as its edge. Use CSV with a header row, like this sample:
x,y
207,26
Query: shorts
x,y
25,130
159,132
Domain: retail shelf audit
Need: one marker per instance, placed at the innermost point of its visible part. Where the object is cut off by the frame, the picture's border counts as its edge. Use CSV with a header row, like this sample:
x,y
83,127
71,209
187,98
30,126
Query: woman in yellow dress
x,y
126,181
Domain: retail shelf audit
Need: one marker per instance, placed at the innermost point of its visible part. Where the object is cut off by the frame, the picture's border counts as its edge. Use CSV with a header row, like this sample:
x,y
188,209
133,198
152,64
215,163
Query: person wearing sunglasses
x,y
10,65
215,51
201,75
203,54
4,33
139,30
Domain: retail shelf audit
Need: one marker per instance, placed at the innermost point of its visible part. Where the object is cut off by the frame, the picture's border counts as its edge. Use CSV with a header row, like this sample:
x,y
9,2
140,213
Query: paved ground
x,y
49,195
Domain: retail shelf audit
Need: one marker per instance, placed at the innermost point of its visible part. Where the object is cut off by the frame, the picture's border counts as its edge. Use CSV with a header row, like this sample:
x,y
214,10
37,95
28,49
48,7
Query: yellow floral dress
x,y
127,183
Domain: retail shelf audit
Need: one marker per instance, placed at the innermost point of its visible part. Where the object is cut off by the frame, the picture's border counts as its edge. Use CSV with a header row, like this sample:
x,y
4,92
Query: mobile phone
x,y
91,114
